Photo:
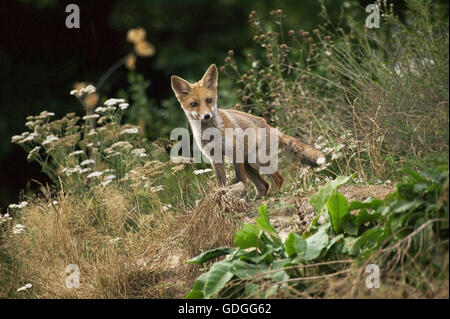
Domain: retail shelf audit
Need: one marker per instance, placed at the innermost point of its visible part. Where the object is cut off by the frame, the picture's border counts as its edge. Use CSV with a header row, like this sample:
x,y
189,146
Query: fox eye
x,y
193,104
209,100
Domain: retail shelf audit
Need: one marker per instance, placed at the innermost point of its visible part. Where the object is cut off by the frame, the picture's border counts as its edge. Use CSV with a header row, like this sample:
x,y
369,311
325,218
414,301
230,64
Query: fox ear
x,y
209,80
179,86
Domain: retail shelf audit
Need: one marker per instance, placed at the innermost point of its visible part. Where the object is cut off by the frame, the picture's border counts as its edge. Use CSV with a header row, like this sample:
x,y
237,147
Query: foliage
x,y
357,229
366,97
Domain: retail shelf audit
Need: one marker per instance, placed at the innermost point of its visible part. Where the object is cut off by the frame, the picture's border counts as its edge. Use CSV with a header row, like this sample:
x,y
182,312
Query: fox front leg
x,y
221,175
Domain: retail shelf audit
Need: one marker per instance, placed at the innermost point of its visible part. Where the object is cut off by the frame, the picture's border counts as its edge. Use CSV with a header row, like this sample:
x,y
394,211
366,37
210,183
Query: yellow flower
x,y
130,62
136,35
144,49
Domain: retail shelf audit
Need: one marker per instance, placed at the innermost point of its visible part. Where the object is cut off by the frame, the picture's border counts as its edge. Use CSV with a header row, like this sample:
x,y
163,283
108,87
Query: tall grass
x,y
373,92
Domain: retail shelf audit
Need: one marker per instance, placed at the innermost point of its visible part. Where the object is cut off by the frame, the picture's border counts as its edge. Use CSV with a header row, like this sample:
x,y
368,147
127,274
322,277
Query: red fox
x,y
199,102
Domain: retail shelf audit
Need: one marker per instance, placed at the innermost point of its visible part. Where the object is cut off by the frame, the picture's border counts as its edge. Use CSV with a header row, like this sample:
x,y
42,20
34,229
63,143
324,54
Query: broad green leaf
x,y
403,206
315,244
247,236
194,294
210,254
370,203
244,270
420,187
255,257
263,221
416,175
364,216
347,246
199,283
337,209
319,199
295,244
217,278
334,241
349,225
368,238
281,263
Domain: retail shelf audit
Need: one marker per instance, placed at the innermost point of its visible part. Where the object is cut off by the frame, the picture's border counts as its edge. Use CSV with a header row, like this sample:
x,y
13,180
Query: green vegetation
x,y
139,225
411,222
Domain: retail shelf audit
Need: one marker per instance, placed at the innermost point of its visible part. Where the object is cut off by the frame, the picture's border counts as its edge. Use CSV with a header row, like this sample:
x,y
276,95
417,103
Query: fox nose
x,y
207,116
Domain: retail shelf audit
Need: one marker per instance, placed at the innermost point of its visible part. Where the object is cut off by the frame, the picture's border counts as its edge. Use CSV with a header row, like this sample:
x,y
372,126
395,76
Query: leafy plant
x,y
355,229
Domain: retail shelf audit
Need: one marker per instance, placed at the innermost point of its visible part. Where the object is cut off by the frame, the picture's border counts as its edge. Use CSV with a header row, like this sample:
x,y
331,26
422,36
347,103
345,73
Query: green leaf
x,y
364,216
337,209
263,222
255,257
217,278
334,241
295,244
210,254
194,294
319,199
315,244
247,236
403,205
370,203
368,238
199,283
349,225
244,270
347,246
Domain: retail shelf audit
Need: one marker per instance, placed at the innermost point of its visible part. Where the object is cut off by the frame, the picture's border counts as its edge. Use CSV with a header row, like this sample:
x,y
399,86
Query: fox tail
x,y
306,151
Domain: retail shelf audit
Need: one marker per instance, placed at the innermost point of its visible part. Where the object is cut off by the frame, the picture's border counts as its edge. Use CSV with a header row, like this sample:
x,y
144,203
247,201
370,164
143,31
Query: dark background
x,y
40,58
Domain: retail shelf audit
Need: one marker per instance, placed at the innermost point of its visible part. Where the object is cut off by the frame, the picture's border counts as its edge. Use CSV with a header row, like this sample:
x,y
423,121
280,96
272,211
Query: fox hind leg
x,y
241,174
257,180
276,181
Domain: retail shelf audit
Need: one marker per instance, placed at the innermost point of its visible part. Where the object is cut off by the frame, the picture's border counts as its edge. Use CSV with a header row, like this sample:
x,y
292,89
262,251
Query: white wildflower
x,y
110,177
157,189
18,229
87,162
27,286
105,183
71,170
336,155
76,153
19,206
88,89
50,139
101,109
85,170
33,152
387,182
112,102
30,124
130,131
45,114
202,171
115,240
92,132
95,174
29,138
140,152
122,144
123,106
16,138
90,117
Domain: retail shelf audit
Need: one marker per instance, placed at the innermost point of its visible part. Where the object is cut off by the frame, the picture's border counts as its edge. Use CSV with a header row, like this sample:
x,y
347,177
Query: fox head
x,y
199,100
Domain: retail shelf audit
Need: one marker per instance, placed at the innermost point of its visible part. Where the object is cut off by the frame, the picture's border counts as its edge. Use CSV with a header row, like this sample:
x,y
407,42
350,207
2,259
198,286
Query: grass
x,y
129,217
